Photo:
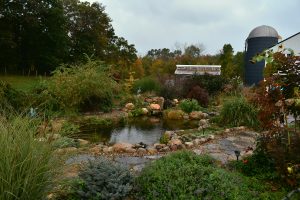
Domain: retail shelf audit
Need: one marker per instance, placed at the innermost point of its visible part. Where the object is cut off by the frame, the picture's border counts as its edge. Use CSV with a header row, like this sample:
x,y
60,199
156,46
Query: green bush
x,y
86,87
189,105
146,84
65,142
103,179
184,175
10,97
69,128
25,162
238,112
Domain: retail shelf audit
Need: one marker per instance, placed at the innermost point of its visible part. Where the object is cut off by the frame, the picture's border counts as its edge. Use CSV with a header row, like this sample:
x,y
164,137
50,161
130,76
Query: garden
x,y
82,134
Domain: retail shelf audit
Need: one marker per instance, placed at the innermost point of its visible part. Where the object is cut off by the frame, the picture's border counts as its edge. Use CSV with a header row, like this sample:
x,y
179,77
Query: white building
x,y
189,70
292,42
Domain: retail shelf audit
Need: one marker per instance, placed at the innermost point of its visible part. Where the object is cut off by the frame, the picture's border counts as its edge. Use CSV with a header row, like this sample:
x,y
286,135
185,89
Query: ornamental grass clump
x,y
25,167
238,112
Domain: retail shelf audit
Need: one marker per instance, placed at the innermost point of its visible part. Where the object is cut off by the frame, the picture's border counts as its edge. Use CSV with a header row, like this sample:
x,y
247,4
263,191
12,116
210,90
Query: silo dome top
x,y
263,31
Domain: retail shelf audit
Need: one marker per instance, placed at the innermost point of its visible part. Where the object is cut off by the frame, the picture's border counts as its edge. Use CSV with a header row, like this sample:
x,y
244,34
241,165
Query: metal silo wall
x,y
254,72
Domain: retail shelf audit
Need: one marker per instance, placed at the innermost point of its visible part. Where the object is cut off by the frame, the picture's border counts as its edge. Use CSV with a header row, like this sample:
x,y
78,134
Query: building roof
x,y
263,31
198,69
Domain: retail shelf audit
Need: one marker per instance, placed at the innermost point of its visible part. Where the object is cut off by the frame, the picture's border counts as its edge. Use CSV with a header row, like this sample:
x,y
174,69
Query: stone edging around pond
x,y
177,141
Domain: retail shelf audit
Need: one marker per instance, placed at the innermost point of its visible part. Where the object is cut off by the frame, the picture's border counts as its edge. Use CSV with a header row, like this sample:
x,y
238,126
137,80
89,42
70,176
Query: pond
x,y
144,129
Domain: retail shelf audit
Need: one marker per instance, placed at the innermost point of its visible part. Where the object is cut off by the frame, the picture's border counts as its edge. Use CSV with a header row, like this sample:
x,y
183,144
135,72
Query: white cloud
x,y
161,23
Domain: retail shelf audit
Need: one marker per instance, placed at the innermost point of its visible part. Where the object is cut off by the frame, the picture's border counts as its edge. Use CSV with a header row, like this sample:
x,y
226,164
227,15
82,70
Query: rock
x,y
195,115
108,149
203,122
83,142
154,106
159,146
211,137
95,150
175,101
168,134
151,151
129,106
289,102
173,147
130,150
121,147
189,145
145,111
160,101
142,151
175,114
197,142
174,142
227,130
165,149
185,116
203,140
204,116
181,146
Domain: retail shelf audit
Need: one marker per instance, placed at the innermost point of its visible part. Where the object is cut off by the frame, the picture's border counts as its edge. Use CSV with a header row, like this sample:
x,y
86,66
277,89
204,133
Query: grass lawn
x,y
24,83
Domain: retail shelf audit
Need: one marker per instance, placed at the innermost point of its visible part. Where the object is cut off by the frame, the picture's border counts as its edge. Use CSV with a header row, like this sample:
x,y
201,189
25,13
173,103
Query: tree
x,y
33,36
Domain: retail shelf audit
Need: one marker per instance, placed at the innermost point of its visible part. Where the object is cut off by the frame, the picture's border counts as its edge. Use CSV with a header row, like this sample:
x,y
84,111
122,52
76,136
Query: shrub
x,y
184,175
146,84
65,142
212,84
25,162
69,128
238,112
103,179
10,97
84,87
199,94
189,105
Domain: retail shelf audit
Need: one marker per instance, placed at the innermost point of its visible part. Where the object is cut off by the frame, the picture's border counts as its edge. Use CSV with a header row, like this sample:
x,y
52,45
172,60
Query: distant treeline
x,y
36,36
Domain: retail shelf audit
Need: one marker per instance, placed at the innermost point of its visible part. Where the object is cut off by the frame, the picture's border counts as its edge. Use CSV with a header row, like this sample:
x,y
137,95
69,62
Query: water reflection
x,y
144,129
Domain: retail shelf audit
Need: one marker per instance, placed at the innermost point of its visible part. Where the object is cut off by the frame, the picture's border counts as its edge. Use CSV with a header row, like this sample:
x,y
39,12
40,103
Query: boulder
x,y
152,151
165,149
204,115
203,123
195,115
145,111
95,150
185,116
154,106
175,114
129,106
108,149
83,142
141,151
121,147
174,142
130,150
159,146
189,145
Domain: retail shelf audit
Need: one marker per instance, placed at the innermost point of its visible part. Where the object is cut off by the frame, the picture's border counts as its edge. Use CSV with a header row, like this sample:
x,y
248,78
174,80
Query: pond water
x,y
143,129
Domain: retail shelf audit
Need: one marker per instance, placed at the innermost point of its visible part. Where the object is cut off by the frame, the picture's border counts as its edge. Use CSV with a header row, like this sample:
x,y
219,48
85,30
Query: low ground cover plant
x,y
184,175
189,105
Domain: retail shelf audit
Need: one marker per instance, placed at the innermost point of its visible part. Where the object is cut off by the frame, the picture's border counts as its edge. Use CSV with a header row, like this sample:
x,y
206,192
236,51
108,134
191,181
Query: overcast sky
x,y
150,24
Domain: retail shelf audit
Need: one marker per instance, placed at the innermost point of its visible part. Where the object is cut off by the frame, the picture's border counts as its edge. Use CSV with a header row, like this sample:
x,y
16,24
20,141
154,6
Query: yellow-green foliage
x,y
175,114
76,86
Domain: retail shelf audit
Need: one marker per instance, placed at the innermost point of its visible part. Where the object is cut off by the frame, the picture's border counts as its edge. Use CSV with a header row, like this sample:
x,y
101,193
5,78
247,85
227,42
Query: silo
x,y
259,39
